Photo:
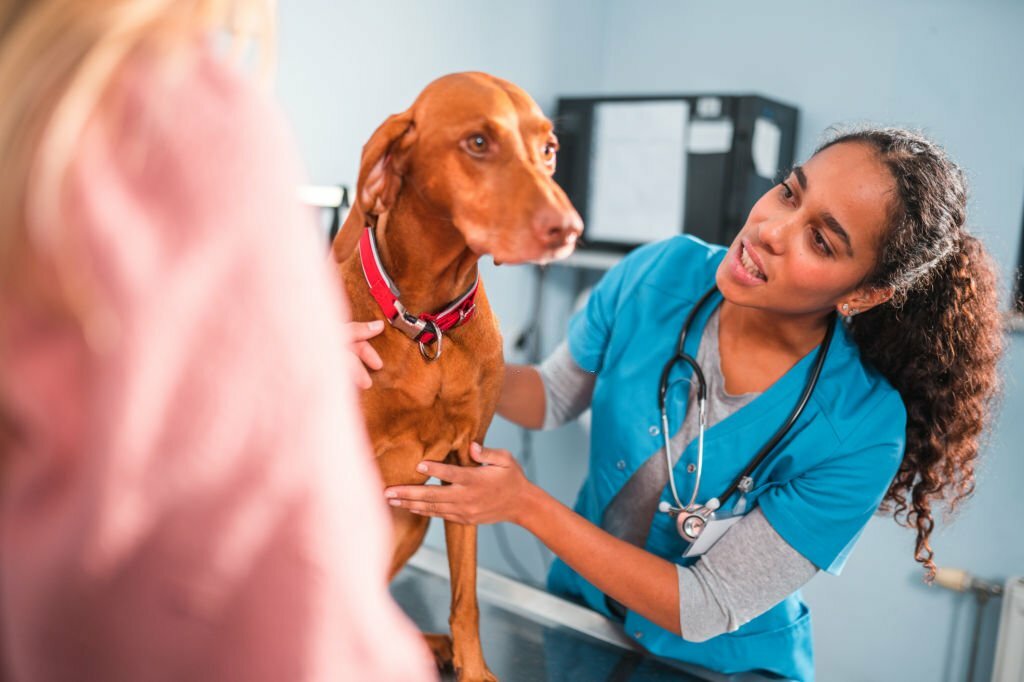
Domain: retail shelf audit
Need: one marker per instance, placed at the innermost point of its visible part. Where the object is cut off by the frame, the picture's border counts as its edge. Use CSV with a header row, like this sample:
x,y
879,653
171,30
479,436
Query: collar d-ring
x,y
437,338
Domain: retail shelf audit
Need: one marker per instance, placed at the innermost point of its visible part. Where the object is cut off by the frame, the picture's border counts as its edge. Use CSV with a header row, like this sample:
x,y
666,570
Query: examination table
x,y
529,635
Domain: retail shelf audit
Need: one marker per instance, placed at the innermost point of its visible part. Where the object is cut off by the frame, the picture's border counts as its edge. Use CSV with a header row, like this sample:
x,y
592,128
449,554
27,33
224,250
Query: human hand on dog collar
x,y
365,357
477,495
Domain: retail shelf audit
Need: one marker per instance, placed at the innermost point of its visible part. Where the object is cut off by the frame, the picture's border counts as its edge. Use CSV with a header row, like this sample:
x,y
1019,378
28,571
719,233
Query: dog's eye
x,y
477,144
548,153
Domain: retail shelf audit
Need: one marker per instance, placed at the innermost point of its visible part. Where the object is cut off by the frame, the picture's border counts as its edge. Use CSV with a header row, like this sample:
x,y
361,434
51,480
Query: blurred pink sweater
x,y
194,498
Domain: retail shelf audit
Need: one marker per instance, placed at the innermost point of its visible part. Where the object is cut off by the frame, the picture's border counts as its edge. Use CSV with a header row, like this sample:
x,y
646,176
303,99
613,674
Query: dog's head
x,y
478,151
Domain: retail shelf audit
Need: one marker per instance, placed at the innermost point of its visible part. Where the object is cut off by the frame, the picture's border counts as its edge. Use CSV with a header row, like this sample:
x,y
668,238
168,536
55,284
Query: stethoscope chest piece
x,y
690,525
691,521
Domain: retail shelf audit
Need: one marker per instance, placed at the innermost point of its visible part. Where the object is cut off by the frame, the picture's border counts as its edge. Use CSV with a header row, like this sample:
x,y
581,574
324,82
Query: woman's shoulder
x,y
856,398
190,128
679,266
190,89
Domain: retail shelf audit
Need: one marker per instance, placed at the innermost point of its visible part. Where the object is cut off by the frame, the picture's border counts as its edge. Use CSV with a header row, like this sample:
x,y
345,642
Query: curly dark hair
x,y
939,339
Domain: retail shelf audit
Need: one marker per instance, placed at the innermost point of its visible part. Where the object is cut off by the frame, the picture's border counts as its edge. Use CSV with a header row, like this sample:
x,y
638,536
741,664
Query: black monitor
x,y
641,168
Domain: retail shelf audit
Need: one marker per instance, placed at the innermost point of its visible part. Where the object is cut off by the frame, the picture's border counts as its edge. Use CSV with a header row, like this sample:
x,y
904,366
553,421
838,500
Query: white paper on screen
x,y
710,137
765,147
638,177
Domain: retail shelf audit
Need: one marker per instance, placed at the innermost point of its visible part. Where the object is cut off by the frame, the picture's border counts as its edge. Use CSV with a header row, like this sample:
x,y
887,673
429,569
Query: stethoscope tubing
x,y
682,355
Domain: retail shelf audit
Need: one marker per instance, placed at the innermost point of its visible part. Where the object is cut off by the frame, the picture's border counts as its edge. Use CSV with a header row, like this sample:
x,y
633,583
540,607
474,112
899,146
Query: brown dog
x,y
466,171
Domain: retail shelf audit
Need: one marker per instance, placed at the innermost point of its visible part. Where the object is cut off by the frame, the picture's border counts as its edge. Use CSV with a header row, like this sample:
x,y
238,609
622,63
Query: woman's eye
x,y
787,192
821,243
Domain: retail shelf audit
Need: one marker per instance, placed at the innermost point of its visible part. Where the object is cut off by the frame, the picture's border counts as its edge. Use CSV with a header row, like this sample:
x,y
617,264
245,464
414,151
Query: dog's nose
x,y
555,226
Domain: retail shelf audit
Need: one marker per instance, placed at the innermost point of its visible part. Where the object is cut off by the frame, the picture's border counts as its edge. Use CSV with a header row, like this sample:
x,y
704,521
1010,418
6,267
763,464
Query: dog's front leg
x,y
465,615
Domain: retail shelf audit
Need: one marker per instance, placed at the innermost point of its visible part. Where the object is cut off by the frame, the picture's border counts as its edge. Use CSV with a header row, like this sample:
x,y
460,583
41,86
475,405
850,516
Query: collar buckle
x,y
404,322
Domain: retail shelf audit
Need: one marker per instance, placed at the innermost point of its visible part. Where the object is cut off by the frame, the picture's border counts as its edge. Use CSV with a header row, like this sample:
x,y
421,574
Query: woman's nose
x,y
772,234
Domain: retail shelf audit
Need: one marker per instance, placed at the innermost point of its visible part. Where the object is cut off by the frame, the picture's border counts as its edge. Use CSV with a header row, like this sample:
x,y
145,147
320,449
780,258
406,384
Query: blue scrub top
x,y
818,488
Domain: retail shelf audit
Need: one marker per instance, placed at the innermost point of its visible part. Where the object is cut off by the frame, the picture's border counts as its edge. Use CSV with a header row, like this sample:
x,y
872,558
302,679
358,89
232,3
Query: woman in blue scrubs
x,y
870,228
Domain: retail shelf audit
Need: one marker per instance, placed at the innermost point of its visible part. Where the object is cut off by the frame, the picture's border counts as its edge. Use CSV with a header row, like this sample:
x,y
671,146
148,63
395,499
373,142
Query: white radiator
x,y
1009,664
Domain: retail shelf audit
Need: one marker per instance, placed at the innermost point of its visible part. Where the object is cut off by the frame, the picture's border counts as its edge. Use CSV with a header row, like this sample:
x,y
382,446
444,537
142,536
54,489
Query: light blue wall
x,y
949,67
345,65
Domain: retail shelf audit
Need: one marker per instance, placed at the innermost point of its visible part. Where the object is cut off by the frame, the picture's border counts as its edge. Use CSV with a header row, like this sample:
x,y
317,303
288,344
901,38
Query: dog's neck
x,y
424,254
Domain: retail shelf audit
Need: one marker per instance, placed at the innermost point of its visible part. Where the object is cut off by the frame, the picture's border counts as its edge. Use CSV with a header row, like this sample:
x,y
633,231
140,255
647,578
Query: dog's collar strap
x,y
427,327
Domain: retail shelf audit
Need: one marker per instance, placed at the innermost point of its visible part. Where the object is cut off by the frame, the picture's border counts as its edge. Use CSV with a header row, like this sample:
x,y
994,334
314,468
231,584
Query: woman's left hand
x,y
477,495
364,357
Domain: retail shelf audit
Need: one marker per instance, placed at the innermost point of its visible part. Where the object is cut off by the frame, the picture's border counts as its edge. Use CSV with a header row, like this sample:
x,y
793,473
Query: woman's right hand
x,y
364,356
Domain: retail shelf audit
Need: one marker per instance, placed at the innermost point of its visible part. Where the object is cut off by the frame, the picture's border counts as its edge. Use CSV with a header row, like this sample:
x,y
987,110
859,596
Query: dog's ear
x,y
383,163
380,178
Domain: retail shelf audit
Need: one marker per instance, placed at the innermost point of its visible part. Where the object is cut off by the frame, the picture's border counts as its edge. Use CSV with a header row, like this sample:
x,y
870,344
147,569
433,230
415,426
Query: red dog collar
x,y
427,327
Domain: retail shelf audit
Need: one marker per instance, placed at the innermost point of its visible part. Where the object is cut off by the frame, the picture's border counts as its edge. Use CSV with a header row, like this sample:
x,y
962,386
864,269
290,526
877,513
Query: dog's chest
x,y
463,375
441,403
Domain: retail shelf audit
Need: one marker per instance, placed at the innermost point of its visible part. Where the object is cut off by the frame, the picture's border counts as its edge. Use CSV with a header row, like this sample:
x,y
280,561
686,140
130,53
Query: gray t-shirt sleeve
x,y
748,571
567,387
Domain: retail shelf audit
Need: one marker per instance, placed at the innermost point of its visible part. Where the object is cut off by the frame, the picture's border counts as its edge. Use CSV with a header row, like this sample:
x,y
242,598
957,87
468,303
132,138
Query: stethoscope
x,y
691,519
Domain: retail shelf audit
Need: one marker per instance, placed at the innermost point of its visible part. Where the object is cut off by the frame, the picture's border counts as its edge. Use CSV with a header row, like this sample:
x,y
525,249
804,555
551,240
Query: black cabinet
x,y
686,163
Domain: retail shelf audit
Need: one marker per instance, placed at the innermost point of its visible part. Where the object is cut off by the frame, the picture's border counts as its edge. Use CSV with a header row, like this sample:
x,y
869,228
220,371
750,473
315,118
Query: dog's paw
x,y
441,648
485,676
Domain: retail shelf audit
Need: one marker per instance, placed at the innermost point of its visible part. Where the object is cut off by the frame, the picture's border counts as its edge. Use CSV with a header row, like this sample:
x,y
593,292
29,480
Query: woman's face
x,y
811,240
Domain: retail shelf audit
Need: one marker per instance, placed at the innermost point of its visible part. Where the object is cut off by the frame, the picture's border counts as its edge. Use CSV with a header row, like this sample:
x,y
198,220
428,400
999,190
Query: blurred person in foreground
x,y
186,484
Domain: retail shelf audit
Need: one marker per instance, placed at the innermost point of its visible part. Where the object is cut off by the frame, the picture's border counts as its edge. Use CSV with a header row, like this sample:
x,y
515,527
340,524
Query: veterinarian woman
x,y
869,232
185,474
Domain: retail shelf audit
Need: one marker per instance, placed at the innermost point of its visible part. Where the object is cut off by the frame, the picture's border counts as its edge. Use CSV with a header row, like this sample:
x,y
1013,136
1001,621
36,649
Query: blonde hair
x,y
57,59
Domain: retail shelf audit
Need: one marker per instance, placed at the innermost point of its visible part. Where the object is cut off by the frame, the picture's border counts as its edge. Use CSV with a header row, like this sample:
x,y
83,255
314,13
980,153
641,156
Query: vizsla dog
x,y
466,171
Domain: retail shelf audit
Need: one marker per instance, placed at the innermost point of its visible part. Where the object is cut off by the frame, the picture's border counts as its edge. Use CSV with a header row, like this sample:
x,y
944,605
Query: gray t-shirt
x,y
630,513
751,568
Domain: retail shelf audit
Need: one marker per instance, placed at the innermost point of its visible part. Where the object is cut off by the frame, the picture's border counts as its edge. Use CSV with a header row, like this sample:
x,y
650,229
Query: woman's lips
x,y
745,268
754,256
